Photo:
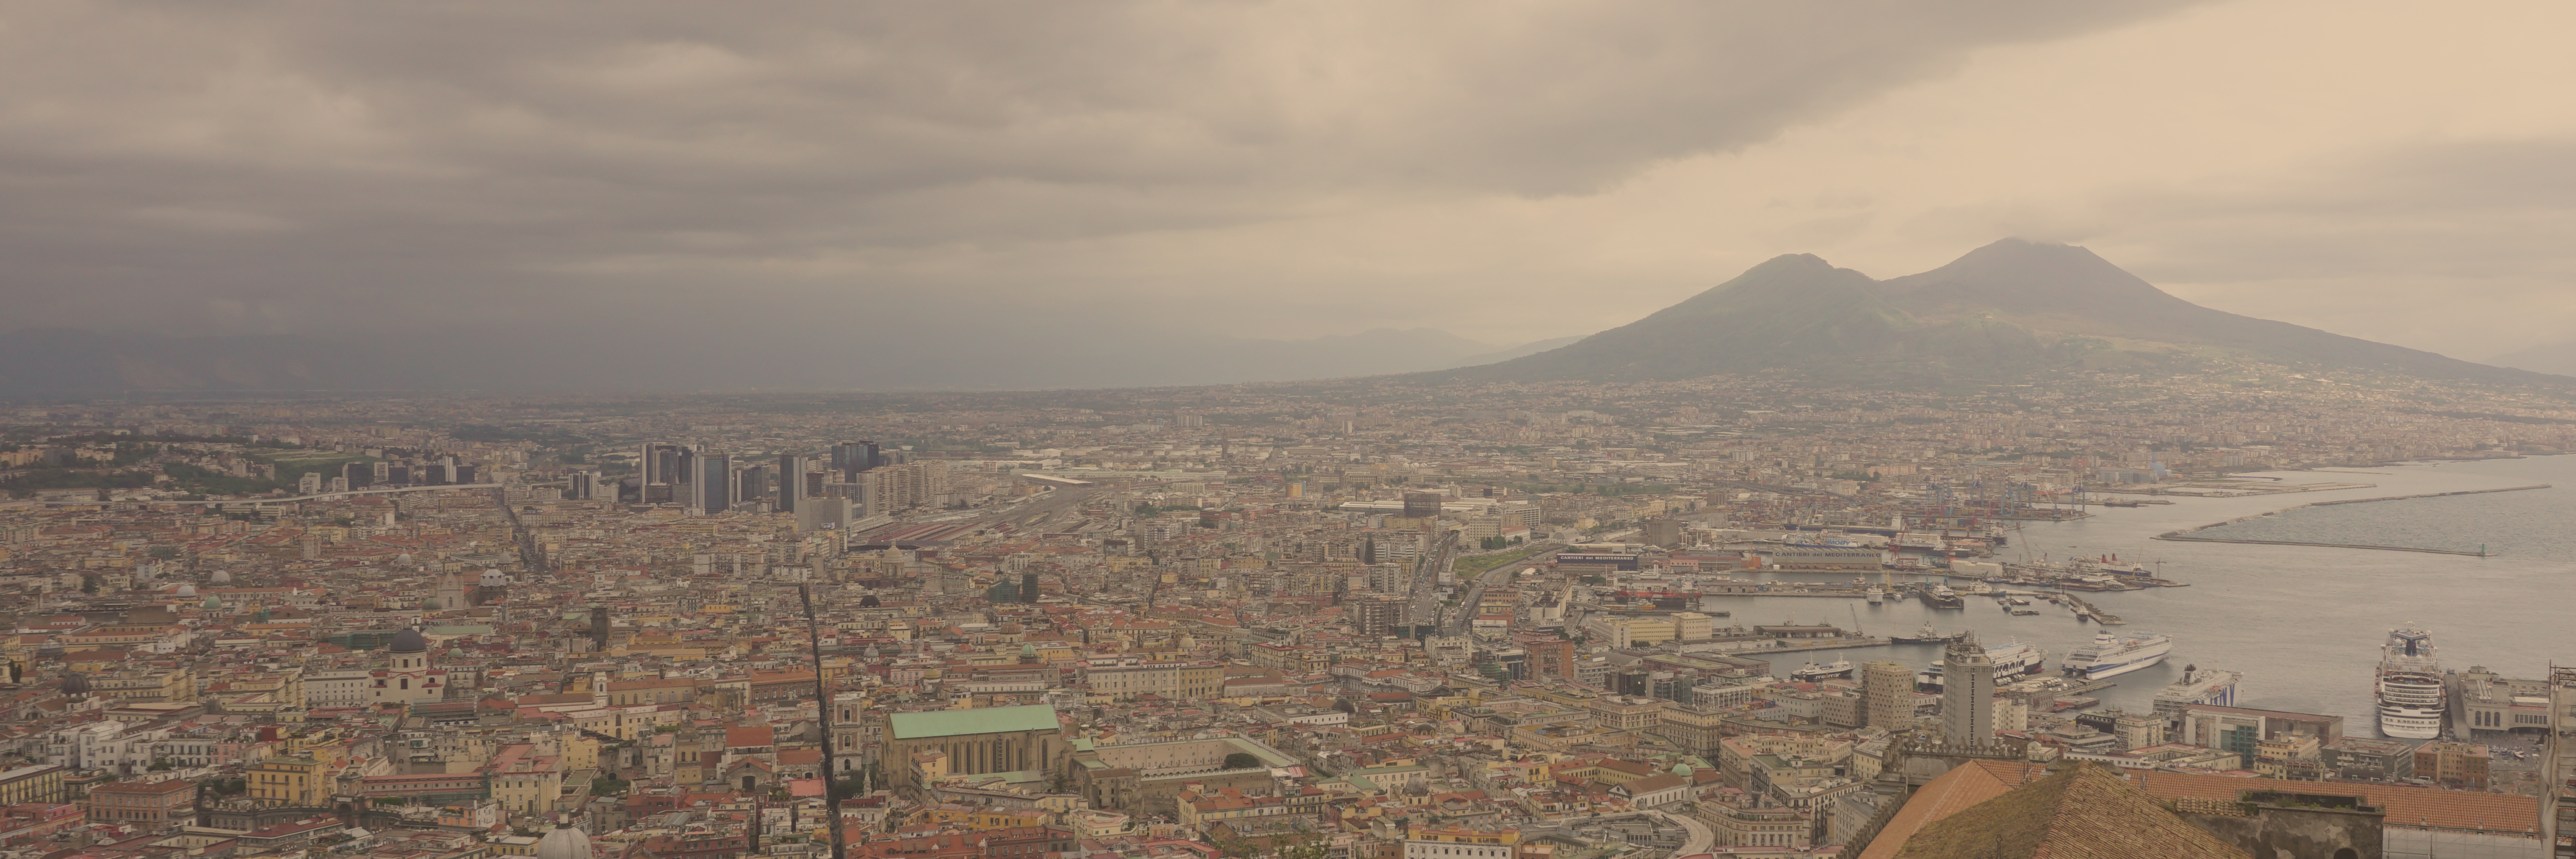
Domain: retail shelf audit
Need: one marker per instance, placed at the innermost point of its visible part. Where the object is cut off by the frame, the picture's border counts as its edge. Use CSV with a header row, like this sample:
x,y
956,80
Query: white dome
x,y
565,843
221,577
187,590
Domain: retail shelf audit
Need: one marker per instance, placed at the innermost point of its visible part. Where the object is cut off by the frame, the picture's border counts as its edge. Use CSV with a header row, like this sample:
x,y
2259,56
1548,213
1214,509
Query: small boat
x,y
1813,672
2023,612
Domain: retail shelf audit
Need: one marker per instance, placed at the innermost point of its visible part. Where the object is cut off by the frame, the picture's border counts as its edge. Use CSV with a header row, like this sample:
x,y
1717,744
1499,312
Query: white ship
x,y
2411,695
2113,655
1814,672
2013,661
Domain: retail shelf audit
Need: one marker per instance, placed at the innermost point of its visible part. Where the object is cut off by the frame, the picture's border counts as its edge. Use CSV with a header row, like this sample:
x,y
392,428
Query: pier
x,y
2086,611
2185,535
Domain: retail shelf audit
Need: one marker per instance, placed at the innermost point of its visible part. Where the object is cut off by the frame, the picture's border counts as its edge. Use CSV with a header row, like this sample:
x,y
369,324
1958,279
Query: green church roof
x,y
989,720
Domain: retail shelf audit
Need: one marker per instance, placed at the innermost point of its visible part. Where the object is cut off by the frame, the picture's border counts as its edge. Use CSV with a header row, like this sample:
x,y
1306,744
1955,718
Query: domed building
x,y
407,679
564,843
187,590
76,686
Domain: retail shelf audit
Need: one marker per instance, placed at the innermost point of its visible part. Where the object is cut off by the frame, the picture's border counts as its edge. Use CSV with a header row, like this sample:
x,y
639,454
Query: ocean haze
x,y
2009,310
69,362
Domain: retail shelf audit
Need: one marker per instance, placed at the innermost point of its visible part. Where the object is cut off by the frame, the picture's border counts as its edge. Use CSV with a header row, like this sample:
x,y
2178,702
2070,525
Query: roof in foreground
x,y
989,720
2408,806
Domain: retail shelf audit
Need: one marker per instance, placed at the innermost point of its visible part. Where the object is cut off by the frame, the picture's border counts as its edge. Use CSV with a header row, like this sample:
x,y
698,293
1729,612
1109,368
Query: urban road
x,y
1457,624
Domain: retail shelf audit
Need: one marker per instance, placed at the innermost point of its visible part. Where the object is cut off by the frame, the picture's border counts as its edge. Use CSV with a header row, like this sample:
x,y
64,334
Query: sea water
x,y
2302,624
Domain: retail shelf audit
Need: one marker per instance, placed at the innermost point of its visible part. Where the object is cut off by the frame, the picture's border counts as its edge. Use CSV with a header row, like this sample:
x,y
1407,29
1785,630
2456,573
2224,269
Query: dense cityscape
x,y
1171,429
1342,619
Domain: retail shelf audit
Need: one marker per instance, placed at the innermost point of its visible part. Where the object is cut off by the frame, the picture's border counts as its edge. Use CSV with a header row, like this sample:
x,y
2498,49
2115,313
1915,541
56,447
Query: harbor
x,y
2221,598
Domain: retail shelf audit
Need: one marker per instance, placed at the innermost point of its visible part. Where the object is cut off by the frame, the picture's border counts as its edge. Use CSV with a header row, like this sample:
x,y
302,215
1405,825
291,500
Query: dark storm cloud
x,y
275,167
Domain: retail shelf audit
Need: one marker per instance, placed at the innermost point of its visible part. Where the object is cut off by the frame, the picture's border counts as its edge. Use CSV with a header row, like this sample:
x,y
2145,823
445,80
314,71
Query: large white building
x,y
350,687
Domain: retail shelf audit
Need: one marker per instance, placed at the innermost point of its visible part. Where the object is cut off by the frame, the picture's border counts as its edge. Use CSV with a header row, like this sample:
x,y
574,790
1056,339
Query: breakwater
x,y
2185,535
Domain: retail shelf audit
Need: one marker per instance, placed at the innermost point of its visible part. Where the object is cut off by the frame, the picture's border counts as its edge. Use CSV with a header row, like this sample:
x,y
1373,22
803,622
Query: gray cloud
x,y
2458,247
294,167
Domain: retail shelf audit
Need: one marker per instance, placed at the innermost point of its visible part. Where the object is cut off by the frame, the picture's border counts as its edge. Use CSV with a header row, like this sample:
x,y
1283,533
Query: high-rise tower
x,y
1967,693
713,487
1887,695
791,482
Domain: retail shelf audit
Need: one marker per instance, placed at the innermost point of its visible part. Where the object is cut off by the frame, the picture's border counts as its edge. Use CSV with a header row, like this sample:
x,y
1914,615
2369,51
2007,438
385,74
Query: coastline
x,y
2184,535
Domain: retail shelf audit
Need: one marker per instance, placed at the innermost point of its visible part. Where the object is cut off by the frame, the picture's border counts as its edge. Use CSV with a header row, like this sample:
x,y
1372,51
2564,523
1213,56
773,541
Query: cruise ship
x,y
2113,655
2411,702
2013,661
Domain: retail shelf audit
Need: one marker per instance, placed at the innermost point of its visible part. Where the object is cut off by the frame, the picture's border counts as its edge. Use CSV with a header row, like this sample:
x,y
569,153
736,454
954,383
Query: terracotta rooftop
x,y
2082,812
2406,806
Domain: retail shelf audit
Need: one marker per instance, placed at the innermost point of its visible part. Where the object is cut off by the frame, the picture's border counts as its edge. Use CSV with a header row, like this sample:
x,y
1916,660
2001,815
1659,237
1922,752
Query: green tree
x,y
1241,761
90,583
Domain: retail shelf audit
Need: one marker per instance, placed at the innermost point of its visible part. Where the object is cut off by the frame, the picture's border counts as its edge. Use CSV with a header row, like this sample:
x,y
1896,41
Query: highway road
x,y
1702,838
1425,607
1457,623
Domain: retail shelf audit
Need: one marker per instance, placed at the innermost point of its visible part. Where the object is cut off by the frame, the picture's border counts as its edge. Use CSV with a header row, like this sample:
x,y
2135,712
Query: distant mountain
x,y
2003,311
2559,358
1530,348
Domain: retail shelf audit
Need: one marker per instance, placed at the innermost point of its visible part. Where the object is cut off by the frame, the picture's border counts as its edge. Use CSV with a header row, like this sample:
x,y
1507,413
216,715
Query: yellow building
x,y
525,782
979,818
293,780
1458,842
37,783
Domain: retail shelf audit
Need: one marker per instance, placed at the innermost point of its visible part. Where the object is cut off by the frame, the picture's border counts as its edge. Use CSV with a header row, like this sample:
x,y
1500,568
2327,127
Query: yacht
x,y
1813,672
2013,661
1926,635
2411,695
2113,655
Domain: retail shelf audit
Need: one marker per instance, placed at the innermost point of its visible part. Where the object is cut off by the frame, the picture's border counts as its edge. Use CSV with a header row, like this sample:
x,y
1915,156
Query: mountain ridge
x,y
2002,311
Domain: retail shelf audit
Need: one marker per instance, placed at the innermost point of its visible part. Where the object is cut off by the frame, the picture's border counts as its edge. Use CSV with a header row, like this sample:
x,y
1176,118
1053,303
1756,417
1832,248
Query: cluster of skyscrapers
x,y
862,478
441,471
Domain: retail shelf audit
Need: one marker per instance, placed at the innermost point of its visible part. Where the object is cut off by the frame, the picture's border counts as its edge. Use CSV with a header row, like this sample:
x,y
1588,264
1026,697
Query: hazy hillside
x,y
2002,311
2559,358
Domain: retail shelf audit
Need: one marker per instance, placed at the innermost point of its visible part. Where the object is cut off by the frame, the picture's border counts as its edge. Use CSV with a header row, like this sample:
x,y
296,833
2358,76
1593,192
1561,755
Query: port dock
x,y
2087,611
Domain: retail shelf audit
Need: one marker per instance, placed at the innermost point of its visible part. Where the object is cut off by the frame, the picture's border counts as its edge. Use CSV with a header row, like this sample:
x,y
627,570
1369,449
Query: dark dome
x,y
408,641
76,683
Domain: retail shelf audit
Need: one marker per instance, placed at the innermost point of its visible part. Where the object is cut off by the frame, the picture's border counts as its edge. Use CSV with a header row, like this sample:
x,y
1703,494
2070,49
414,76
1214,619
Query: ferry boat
x,y
1876,595
1813,672
1926,635
2013,661
2113,655
2411,695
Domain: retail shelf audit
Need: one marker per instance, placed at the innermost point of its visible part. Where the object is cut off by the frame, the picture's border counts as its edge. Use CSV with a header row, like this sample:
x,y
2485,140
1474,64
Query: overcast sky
x,y
1505,171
